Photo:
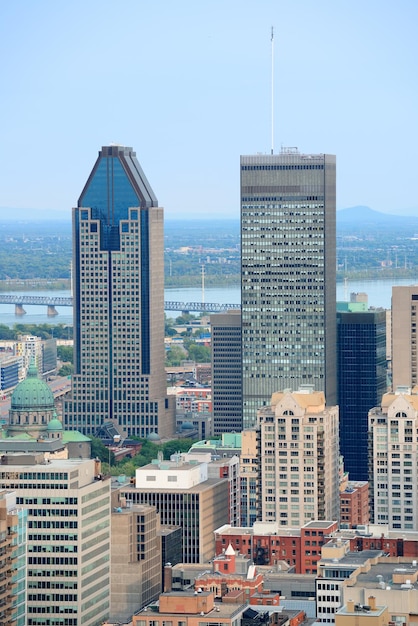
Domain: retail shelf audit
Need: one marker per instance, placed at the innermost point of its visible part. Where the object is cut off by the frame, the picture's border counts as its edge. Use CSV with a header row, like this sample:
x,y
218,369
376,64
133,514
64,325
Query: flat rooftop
x,y
353,558
384,572
219,609
318,524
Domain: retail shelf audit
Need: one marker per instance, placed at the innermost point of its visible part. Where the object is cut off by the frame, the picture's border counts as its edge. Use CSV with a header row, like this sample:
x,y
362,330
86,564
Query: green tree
x,y
175,356
198,353
65,354
177,445
6,333
66,370
99,450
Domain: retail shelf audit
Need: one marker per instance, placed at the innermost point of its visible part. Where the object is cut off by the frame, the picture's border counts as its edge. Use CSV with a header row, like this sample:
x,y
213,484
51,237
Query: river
x,y
379,293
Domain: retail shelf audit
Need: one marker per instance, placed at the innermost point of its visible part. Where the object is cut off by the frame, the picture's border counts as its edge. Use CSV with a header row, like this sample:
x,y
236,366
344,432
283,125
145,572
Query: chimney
x,y
372,603
350,606
168,577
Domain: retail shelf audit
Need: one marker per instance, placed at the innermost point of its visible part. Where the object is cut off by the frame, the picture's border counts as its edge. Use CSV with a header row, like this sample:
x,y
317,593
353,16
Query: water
x,y
379,292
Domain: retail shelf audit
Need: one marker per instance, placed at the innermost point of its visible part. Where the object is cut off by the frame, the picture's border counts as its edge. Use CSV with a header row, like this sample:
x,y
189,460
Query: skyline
x,y
196,79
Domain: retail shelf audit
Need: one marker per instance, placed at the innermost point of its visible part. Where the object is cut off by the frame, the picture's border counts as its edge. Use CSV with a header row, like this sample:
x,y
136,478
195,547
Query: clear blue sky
x,y
187,84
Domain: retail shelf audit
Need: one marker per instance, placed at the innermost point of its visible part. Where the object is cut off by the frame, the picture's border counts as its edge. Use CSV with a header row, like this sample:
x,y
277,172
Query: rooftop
x,y
352,558
391,573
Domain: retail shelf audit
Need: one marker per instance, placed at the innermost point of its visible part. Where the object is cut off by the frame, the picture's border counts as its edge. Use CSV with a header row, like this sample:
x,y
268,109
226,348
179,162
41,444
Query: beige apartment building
x,y
393,460
299,455
404,336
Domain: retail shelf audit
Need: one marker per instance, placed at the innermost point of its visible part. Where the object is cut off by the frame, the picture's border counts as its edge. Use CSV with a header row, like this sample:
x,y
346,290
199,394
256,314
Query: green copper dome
x,y
32,393
55,424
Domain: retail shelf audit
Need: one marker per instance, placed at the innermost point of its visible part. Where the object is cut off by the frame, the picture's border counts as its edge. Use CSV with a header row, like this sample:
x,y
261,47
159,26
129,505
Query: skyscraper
x,y
118,302
404,336
288,273
361,382
226,372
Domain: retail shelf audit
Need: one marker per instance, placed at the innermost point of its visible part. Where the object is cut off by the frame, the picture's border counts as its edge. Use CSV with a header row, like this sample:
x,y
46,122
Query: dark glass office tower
x,y
118,278
288,273
226,372
361,382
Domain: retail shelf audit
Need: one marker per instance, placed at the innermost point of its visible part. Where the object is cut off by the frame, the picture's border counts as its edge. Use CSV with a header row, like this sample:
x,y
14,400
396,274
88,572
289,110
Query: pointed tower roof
x,y
230,551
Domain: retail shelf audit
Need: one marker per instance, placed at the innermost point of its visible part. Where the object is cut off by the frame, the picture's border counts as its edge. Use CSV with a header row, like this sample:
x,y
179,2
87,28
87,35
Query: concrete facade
x,y
288,275
68,537
135,560
404,336
195,502
299,460
393,456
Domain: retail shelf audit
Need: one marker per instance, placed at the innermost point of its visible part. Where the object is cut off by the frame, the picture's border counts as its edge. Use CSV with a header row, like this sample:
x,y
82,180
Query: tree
x,y
65,354
175,356
199,354
66,370
177,445
100,451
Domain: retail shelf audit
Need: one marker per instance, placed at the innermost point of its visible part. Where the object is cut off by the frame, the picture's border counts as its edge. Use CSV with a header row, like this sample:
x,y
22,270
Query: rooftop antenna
x,y
272,90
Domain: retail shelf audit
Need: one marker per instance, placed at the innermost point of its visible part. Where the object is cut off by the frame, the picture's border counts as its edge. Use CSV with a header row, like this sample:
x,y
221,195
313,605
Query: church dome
x,y
55,424
32,393
153,437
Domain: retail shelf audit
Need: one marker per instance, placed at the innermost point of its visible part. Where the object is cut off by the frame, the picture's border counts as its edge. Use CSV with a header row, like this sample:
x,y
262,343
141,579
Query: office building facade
x,y
118,278
361,382
404,336
68,537
226,372
184,495
288,273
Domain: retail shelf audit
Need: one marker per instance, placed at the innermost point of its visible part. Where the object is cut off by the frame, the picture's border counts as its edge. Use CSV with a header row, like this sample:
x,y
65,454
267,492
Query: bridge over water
x,y
19,301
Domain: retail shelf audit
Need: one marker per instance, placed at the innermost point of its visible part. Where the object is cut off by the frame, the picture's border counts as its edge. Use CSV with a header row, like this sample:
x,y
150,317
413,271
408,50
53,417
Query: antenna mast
x,y
272,90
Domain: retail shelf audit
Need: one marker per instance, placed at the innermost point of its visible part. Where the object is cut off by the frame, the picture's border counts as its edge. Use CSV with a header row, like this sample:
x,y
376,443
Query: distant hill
x,y
365,215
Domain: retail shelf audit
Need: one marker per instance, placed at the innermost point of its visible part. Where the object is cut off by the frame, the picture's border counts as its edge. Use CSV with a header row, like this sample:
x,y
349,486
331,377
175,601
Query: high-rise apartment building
x,y
393,461
361,382
226,372
404,336
288,273
118,278
299,453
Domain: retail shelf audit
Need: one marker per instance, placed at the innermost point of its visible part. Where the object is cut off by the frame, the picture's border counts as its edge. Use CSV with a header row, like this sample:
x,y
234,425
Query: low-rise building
x,y
190,608
184,495
354,503
270,544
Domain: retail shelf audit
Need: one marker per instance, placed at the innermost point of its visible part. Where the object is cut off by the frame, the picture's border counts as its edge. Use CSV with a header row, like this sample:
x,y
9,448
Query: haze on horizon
x,y
188,86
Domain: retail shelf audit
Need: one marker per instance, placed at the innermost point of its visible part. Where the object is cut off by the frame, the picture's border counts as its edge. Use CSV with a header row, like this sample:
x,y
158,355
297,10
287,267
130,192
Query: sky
x,y
187,84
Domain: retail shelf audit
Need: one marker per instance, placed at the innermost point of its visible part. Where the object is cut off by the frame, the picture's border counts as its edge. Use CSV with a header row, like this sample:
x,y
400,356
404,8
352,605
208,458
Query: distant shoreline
x,y
181,282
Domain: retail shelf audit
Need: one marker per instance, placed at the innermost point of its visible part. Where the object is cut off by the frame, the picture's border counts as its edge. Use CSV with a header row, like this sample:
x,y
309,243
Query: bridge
x,y
52,302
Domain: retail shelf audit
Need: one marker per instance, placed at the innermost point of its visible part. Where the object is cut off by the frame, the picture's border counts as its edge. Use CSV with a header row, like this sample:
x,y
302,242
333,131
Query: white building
x,y
393,460
68,537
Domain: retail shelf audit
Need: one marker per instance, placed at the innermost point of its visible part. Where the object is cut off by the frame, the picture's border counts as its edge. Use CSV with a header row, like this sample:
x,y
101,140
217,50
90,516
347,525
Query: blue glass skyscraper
x,y
361,382
118,277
